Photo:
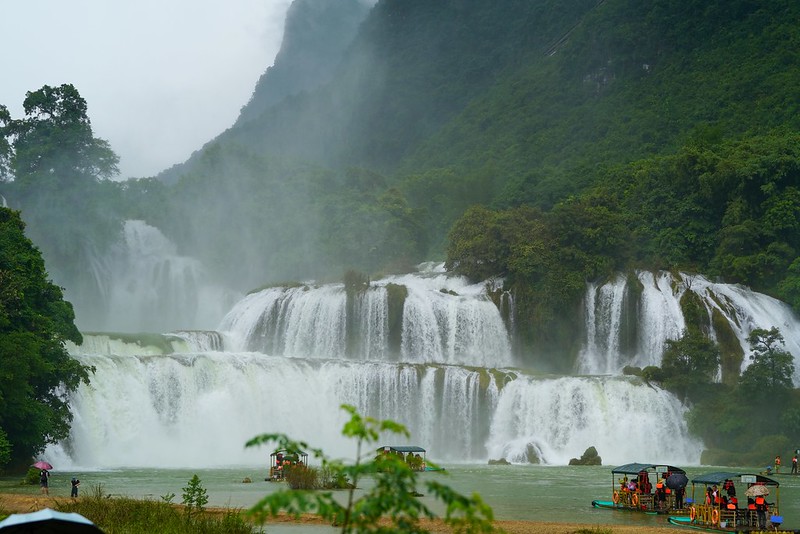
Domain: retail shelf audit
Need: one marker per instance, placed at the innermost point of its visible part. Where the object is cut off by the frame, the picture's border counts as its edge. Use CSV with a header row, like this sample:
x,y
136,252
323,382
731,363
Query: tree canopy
x,y
36,372
55,138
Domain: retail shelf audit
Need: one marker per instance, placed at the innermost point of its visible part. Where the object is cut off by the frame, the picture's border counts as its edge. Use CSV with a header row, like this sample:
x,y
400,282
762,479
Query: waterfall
x,y
145,285
559,418
197,409
746,310
444,319
656,307
427,350
604,306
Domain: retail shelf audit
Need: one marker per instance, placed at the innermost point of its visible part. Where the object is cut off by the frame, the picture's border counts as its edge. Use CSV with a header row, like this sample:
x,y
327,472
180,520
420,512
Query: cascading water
x,y
146,286
658,317
556,419
197,409
427,350
443,320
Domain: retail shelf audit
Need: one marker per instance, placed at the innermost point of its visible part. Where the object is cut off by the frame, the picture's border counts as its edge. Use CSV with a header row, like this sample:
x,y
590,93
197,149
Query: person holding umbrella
x,y
677,483
759,491
44,476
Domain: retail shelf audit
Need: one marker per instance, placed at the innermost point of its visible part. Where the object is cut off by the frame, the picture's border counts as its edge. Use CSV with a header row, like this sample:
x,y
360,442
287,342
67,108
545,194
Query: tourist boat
x,y
717,506
282,460
643,488
411,455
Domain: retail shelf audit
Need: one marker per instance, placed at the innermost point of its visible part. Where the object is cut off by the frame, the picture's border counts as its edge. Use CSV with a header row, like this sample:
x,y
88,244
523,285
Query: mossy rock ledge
x,y
590,457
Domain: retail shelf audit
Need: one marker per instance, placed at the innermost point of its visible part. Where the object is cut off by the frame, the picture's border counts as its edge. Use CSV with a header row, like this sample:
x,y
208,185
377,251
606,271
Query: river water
x,y
515,492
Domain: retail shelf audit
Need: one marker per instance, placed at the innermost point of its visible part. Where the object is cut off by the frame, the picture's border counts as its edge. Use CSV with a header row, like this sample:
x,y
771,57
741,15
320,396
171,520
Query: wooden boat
x,y
645,491
411,455
716,506
282,460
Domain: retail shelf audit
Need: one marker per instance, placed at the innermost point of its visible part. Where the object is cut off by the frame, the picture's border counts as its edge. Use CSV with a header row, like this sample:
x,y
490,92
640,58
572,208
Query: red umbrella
x,y
42,465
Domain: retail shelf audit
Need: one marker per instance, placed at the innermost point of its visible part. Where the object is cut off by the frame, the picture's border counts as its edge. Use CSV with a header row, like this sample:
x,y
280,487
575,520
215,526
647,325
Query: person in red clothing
x,y
761,511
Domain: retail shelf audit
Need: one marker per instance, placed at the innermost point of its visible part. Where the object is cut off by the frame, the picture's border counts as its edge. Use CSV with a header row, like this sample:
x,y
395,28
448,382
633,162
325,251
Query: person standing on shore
x,y
44,481
794,464
75,483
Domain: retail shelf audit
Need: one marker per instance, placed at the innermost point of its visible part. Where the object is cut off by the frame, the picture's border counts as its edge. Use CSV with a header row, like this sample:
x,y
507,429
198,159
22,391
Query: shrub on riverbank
x,y
117,515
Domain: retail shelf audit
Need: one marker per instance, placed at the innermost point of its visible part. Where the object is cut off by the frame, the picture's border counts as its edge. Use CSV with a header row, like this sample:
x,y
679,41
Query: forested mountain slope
x,y
630,81
456,103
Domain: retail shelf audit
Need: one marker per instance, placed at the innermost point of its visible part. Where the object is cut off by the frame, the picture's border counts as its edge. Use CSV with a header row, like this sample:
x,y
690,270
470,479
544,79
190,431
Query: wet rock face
x,y
590,457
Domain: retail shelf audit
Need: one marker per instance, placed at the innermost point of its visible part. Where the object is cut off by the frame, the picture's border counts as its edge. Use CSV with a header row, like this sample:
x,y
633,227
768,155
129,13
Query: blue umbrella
x,y
48,521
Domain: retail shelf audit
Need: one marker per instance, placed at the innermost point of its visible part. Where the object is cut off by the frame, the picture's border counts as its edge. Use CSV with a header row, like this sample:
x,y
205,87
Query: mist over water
x,y
146,285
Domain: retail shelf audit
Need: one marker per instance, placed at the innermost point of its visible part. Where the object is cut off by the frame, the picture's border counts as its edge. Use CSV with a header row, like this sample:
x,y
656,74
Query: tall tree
x,y
55,139
57,175
770,374
690,362
36,372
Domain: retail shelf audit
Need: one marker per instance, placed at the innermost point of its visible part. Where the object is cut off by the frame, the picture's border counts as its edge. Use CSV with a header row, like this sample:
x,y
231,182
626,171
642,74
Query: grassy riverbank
x,y
117,515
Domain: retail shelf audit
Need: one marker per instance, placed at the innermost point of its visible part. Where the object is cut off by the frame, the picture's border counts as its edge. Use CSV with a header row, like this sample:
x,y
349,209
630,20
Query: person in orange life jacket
x,y
661,494
715,495
761,511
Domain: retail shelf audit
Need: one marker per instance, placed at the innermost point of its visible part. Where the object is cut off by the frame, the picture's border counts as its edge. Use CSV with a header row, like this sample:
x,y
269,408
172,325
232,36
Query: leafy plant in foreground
x,y
392,504
195,496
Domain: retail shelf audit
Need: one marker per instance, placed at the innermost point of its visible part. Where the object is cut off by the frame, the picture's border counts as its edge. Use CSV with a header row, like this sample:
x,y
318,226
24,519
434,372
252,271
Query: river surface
x,y
515,492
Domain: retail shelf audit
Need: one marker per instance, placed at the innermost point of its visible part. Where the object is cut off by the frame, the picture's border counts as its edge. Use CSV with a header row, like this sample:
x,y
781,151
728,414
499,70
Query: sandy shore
x,y
17,503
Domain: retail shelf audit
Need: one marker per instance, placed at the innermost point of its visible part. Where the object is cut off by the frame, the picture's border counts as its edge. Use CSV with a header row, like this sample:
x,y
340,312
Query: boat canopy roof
x,y
718,477
636,468
287,452
402,448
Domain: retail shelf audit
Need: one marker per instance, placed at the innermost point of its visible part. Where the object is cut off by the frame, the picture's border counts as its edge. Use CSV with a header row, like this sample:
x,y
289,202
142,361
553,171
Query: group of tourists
x,y
777,463
414,461
44,483
640,492
754,513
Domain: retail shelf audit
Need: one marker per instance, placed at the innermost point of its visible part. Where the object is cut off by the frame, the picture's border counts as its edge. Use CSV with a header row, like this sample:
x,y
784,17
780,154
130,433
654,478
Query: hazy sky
x,y
160,77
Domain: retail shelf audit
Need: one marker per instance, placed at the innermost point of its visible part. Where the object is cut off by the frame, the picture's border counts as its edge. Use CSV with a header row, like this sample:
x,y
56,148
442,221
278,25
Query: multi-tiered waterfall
x,y
428,350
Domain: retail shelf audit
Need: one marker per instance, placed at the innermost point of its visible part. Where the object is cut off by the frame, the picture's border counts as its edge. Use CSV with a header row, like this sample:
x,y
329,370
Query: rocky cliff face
x,y
316,34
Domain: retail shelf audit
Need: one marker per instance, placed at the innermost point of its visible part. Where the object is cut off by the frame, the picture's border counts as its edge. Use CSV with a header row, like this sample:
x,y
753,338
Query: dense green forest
x,y
548,143
36,373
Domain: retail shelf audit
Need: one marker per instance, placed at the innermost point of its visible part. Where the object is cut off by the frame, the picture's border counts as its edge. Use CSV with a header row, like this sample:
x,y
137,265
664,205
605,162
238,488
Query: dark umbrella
x,y
42,465
677,480
48,521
